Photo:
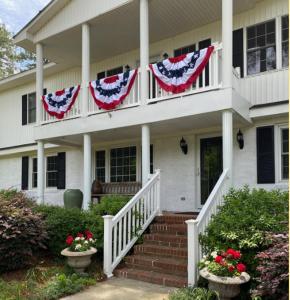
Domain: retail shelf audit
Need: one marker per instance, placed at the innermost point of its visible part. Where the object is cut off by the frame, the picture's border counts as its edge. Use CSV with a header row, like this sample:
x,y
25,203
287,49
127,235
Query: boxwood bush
x,y
244,221
22,232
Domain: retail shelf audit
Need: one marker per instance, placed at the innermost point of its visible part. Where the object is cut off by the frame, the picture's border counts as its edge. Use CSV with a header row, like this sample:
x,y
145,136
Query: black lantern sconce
x,y
183,145
240,139
165,55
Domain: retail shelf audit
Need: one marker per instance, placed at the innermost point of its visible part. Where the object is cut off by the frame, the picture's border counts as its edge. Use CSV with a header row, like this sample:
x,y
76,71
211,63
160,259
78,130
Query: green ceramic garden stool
x,y
73,198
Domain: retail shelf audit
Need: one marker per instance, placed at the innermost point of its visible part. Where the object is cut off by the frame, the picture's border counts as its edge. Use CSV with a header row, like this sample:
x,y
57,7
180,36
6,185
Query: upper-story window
x,y
29,108
285,38
261,47
184,50
110,72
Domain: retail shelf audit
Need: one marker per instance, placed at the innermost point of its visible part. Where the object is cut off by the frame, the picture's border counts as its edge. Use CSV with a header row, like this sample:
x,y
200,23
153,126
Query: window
x,y
31,108
284,154
285,48
184,50
101,165
110,72
261,47
123,164
34,172
51,171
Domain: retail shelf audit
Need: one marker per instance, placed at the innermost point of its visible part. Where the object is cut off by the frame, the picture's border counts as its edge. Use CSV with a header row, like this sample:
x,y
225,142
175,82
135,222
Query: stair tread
x,y
160,247
166,235
159,258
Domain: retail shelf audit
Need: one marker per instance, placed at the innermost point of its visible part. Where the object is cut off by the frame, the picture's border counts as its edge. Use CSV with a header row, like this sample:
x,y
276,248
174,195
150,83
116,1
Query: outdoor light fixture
x,y
165,55
240,139
183,145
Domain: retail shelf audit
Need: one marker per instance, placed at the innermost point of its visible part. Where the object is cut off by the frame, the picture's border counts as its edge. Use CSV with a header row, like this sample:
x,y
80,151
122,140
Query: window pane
x,y
285,23
251,32
31,108
285,37
34,172
101,165
285,153
51,171
285,168
270,26
115,71
253,62
271,58
285,145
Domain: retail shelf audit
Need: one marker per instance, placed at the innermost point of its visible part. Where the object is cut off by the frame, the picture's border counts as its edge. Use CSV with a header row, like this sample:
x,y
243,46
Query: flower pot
x,y
73,198
79,260
227,287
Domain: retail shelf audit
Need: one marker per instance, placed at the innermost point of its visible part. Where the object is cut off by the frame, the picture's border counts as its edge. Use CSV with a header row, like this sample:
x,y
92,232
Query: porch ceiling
x,y
117,32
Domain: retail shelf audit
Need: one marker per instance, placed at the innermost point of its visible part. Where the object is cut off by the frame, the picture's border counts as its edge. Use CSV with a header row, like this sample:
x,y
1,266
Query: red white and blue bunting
x,y
111,91
176,74
58,103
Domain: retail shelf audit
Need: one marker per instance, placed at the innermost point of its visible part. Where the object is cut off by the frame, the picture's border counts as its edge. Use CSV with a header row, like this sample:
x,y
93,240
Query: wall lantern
x,y
183,145
240,139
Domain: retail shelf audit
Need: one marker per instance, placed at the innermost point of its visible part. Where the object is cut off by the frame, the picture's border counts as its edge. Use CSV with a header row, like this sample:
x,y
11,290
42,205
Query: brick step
x,y
152,277
160,250
177,241
174,229
177,266
175,218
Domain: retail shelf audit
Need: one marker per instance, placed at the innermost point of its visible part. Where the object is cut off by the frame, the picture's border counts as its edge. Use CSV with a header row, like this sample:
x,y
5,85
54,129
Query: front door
x,y
211,165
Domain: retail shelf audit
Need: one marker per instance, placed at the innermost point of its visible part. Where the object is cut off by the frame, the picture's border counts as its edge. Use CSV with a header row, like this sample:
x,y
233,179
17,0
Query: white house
x,y
243,89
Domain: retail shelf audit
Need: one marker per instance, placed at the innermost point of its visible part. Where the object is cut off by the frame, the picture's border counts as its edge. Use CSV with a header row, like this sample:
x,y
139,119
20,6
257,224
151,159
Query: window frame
x,y
28,109
282,42
110,70
33,173
46,171
105,166
278,152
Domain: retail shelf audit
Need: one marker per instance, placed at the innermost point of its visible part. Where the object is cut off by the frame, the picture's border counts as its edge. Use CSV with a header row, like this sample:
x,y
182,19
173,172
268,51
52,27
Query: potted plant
x,y
225,272
79,250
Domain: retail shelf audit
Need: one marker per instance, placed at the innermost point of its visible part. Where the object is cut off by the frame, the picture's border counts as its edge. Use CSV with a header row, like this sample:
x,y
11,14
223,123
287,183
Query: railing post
x,y
192,250
108,245
158,196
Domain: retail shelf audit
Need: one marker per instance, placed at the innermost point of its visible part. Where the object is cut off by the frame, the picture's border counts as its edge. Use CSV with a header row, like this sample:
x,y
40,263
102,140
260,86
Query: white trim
x,y
278,153
278,33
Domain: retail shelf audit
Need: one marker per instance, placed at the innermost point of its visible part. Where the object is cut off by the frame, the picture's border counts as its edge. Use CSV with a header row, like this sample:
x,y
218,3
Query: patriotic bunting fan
x,y
60,102
111,91
178,73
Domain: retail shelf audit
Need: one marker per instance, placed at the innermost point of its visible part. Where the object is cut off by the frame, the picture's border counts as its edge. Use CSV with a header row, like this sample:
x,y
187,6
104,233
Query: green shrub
x,y
193,294
243,221
22,232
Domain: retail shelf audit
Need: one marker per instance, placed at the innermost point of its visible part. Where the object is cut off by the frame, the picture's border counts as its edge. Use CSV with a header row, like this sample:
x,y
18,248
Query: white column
x,y
108,245
145,153
39,82
40,172
227,120
85,67
87,151
144,50
227,42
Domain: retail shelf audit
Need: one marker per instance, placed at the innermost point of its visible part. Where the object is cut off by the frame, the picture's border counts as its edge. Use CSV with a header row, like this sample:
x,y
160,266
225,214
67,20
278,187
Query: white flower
x,y
206,263
214,254
91,240
86,242
77,238
78,246
202,260
82,238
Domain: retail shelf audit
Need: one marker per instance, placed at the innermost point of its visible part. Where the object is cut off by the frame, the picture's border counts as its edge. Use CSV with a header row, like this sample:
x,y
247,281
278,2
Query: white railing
x,y
209,79
198,226
122,231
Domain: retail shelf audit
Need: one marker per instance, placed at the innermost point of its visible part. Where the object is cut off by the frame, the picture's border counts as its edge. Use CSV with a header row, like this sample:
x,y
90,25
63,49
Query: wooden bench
x,y
117,188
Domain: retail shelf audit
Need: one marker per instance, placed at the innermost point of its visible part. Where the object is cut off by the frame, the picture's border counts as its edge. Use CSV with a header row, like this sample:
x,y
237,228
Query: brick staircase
x,y
162,257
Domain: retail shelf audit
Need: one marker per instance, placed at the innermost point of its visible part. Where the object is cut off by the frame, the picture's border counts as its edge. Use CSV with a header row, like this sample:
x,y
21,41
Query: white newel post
x,y
39,82
108,245
85,68
87,170
144,50
227,41
145,153
40,172
192,248
227,120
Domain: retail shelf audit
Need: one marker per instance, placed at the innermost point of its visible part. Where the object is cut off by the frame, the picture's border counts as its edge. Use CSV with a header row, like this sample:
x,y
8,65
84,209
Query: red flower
x,y
231,268
237,255
218,259
234,254
69,240
241,268
89,235
80,235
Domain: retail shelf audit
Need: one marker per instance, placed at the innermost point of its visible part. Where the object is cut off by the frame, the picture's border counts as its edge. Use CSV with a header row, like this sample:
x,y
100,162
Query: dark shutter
x,y
265,155
238,50
201,45
24,173
24,109
61,170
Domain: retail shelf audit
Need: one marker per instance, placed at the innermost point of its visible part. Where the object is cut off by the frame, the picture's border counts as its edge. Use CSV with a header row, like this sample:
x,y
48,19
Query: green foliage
x,y
193,294
243,221
22,232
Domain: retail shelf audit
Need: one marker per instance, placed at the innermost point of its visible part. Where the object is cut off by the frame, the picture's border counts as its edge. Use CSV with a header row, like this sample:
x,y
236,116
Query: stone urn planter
x,y
79,261
227,287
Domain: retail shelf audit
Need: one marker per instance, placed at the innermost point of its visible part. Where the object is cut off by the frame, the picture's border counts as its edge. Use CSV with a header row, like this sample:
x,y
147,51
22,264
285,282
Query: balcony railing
x,y
210,79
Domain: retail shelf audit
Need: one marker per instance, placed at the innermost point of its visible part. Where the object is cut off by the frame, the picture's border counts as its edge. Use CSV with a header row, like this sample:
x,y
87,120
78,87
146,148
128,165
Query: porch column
x,y
145,153
39,82
227,120
227,41
87,153
144,50
40,172
85,68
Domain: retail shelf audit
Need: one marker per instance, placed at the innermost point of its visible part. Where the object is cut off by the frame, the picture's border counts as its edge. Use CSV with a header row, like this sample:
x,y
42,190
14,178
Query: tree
x,y
13,59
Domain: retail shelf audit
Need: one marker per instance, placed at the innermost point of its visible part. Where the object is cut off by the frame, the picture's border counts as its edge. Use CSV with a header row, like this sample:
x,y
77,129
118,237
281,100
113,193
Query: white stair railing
x,y
122,230
198,226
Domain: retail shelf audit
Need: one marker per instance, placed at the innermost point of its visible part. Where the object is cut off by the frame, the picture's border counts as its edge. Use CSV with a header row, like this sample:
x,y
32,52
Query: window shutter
x,y
265,155
24,173
201,45
24,109
238,50
61,170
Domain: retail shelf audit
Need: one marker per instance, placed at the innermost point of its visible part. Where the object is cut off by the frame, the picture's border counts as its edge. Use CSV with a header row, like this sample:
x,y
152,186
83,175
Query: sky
x,y
15,14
